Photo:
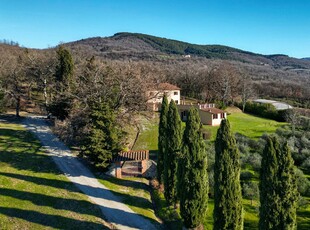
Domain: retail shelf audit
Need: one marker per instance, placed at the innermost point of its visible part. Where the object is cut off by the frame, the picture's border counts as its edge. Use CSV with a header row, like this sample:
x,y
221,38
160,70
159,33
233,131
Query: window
x,y
184,115
214,116
176,101
175,93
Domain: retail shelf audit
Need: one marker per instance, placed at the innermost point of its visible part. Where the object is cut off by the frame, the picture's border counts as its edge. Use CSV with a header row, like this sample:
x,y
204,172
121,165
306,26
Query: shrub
x,y
255,160
60,108
302,183
246,176
250,190
305,123
264,110
306,164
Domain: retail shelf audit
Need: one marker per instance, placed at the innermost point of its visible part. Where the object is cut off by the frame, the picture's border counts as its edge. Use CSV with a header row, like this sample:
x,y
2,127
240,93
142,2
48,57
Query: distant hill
x,y
276,75
137,46
172,54
307,58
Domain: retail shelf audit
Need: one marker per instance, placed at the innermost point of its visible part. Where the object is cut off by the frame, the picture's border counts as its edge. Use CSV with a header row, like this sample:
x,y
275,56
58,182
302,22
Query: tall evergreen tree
x,y
105,135
61,103
228,212
64,68
287,188
269,199
173,145
162,137
278,187
192,173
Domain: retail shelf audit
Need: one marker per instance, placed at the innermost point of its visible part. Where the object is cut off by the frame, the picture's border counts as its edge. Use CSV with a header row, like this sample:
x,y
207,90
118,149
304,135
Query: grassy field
x,y
248,125
34,194
134,192
148,135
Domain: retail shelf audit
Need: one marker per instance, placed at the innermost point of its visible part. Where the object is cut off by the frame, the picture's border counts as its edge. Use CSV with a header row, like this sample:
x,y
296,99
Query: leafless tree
x,y
41,66
14,82
293,118
246,89
224,80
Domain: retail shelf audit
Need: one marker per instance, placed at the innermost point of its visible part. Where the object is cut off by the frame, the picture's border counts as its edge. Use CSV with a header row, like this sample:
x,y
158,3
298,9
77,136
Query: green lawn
x,y
173,221
134,192
148,138
303,216
248,125
148,133
34,194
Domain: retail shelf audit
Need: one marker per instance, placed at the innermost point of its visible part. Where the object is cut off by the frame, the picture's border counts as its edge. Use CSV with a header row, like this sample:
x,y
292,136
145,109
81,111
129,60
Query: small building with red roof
x,y
209,115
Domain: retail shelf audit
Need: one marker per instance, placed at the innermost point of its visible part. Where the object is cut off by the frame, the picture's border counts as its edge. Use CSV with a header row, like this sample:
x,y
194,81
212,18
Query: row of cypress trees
x,y
182,168
182,163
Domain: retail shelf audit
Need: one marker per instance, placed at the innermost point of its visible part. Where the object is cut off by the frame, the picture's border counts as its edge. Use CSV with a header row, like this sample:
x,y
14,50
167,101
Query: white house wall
x,y
205,117
157,96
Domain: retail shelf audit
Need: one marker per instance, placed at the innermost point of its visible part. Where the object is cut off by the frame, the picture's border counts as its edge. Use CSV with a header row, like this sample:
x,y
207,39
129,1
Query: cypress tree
x,y
228,212
278,187
162,137
173,145
269,199
192,173
61,103
287,188
64,68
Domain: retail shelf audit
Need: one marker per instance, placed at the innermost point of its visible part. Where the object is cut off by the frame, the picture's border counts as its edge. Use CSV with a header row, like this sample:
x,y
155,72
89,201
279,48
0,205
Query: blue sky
x,y
260,26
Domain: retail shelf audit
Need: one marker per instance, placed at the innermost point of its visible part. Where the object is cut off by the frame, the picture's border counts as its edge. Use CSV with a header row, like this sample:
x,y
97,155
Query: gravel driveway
x,y
114,211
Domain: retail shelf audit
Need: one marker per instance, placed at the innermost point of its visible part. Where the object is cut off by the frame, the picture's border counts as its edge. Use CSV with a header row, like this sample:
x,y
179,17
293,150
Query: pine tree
x,y
105,136
173,145
228,212
192,173
162,137
278,187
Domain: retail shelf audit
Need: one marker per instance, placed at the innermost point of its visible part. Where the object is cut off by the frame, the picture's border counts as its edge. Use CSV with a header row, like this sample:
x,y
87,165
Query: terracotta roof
x,y
138,155
213,110
164,86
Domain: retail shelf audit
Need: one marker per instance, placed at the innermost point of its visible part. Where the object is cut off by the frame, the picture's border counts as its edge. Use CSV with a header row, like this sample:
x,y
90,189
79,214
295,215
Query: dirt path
x,y
117,213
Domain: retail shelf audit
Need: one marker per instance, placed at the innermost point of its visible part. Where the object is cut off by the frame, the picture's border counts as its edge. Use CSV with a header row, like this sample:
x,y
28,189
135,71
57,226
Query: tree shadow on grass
x,y
251,224
48,220
73,169
92,191
303,217
21,150
71,204
128,183
84,207
251,209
